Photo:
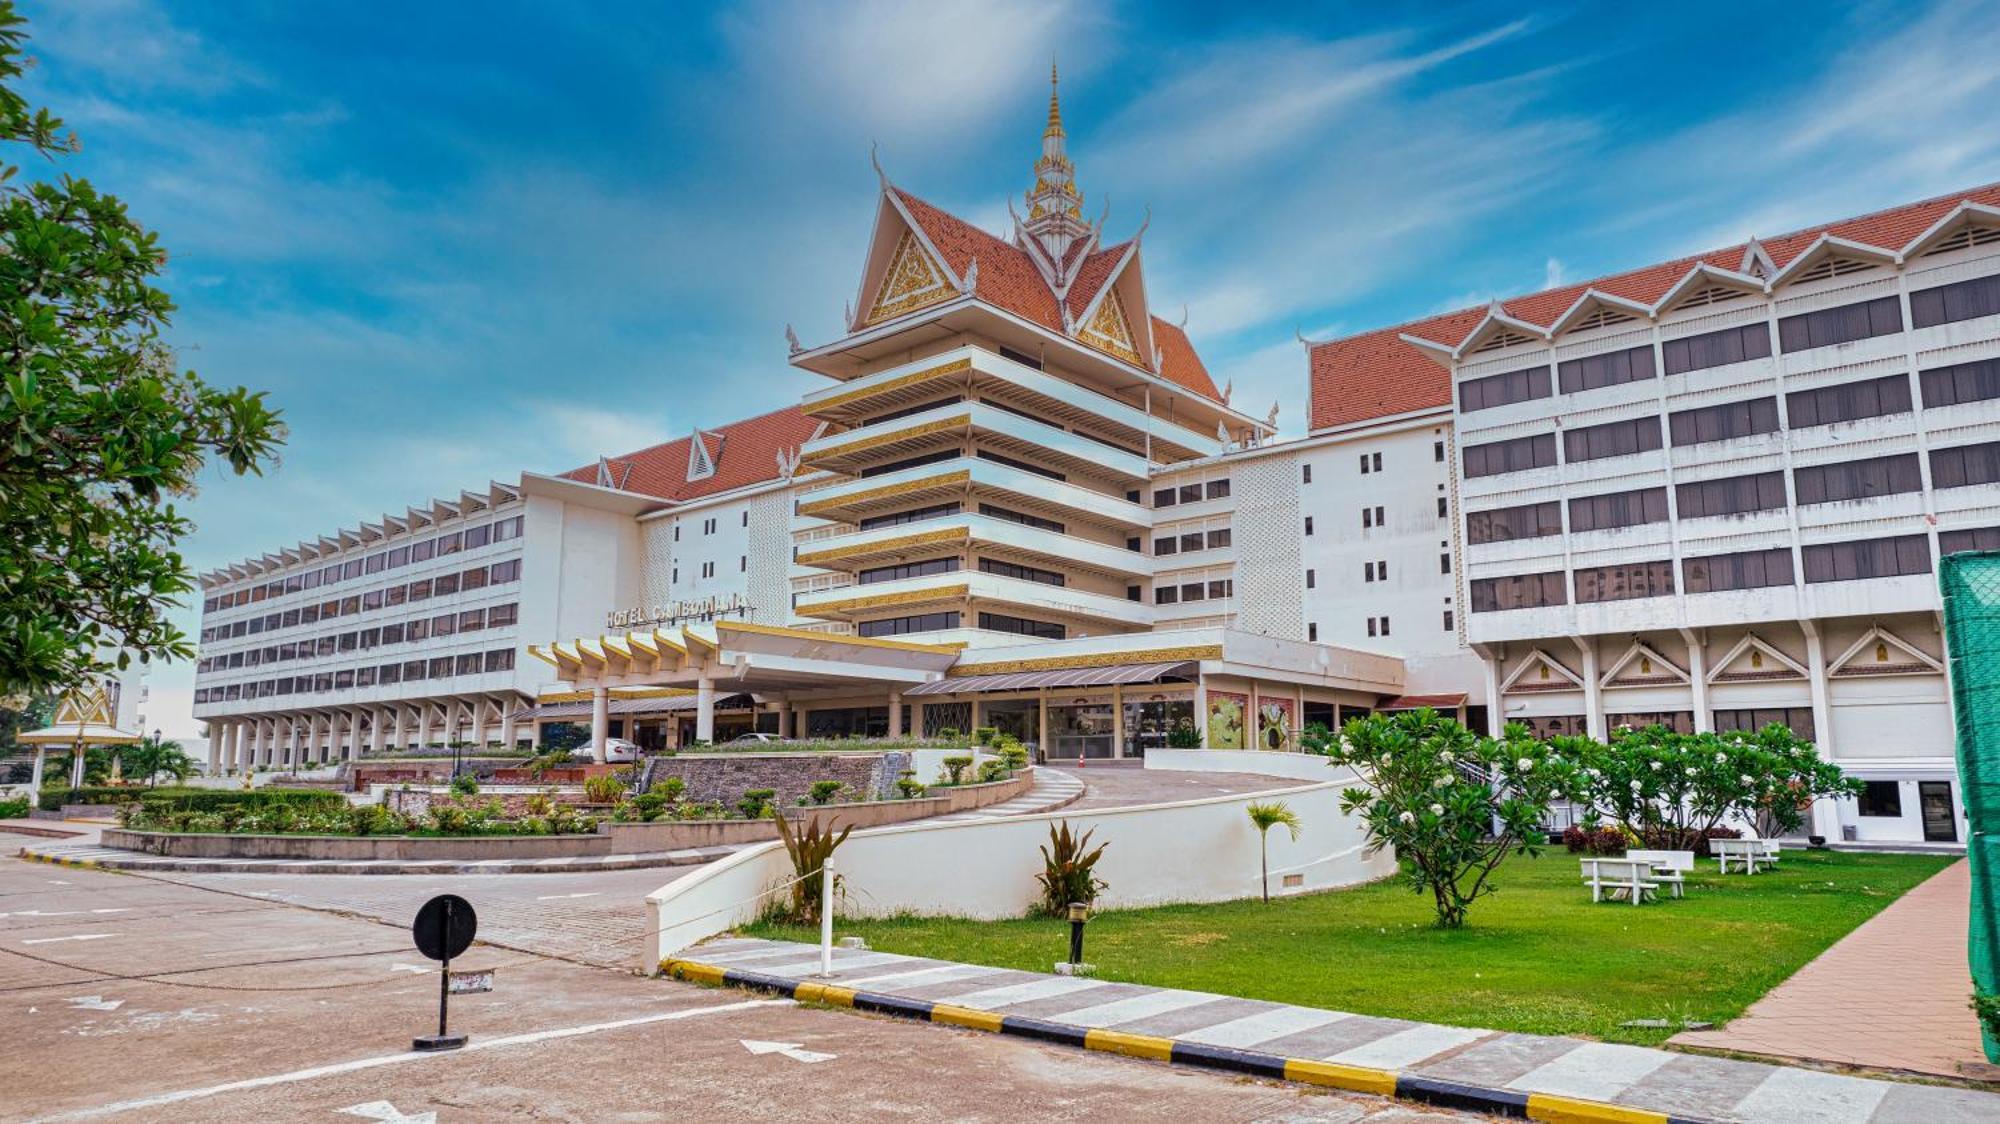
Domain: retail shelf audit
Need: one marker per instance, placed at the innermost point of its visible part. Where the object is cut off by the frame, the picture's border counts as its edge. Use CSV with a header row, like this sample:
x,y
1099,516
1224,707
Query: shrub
x,y
1595,840
212,799
52,799
465,784
1014,754
1183,735
809,848
823,792
603,789
1660,840
13,809
670,788
1068,870
1987,1007
993,770
907,785
755,803
982,735
954,769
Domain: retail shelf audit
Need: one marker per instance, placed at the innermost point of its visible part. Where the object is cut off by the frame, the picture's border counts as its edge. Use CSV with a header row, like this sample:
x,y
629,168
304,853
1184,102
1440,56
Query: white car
x,y
755,738
617,751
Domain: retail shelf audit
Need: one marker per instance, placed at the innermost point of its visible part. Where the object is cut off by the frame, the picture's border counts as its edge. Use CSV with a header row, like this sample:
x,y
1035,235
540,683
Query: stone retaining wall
x,y
725,777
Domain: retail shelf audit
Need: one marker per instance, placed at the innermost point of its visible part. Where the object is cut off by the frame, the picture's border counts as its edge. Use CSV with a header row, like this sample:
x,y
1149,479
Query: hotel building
x,y
1712,493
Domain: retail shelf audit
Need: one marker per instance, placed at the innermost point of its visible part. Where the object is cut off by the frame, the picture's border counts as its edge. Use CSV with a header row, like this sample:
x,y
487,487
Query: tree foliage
x,y
99,429
146,761
1451,803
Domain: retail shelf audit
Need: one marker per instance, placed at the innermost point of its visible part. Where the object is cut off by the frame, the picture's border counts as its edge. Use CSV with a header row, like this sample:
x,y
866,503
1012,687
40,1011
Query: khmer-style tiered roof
x,y
1404,368
707,462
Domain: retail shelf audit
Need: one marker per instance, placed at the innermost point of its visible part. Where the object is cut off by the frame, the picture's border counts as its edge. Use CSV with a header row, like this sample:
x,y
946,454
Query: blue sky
x,y
458,240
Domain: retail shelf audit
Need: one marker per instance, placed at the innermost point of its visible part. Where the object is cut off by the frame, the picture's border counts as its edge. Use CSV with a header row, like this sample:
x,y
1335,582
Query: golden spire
x,y
1055,128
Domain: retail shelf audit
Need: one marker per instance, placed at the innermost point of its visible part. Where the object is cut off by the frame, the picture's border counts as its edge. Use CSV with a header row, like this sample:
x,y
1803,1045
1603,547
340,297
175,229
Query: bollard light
x,y
1078,914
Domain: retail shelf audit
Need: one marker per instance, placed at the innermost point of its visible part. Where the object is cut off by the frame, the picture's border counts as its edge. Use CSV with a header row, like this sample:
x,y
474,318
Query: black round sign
x,y
444,927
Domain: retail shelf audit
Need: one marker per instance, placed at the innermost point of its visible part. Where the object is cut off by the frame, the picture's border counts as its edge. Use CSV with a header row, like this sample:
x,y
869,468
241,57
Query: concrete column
x,y
1825,813
1253,722
895,714
354,734
1593,691
378,730
1697,662
1118,720
423,725
784,708
233,735
1496,707
214,756
479,724
1201,710
508,734
77,759
600,720
292,739
704,710
977,713
42,756
396,727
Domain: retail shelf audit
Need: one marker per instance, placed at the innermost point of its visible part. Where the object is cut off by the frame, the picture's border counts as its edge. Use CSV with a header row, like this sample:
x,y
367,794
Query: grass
x,y
1536,957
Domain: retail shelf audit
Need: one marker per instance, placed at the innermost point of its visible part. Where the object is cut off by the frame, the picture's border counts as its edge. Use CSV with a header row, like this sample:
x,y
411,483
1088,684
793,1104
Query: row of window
x,y
1191,493
1190,541
1896,556
446,624
1213,590
471,538
1881,316
407,671
1798,718
388,597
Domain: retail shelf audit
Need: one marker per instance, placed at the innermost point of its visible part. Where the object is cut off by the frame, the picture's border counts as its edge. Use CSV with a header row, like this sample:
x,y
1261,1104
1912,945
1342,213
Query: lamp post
x,y
1079,912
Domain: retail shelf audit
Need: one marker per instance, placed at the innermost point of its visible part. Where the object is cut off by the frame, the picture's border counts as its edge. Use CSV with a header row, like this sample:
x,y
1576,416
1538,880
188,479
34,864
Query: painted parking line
x,y
78,937
408,1057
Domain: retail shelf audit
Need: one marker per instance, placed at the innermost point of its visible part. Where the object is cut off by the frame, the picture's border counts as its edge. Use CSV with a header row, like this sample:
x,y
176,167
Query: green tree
x,y
145,761
1451,804
99,429
1265,817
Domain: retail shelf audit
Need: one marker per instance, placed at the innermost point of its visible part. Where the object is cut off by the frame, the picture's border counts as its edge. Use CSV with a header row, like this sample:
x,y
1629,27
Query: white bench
x,y
1745,853
1670,868
1626,875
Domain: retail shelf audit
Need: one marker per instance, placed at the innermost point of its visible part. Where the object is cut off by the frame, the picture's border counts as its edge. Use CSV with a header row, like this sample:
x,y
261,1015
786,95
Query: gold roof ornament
x,y
84,716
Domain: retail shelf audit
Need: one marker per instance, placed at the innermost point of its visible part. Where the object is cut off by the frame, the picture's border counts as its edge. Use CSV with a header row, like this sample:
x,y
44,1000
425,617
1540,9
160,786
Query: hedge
x,y
53,799
216,799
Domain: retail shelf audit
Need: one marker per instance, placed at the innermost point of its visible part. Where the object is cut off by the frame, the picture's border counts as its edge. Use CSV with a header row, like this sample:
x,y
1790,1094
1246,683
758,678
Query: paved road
x,y
227,1030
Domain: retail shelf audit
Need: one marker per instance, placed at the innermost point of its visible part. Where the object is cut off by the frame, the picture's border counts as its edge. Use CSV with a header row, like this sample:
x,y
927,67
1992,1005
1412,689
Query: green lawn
x,y
1537,956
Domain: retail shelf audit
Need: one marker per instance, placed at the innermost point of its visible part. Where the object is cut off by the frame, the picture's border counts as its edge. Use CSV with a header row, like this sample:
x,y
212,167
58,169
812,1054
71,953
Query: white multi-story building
x,y
1711,493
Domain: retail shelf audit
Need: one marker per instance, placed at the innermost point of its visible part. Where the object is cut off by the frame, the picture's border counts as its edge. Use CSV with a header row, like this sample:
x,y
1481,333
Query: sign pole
x,y
443,929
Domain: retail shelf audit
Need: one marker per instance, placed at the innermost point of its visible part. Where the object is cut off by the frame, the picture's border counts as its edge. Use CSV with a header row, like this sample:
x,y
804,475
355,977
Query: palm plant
x,y
1266,817
1069,869
809,848
149,758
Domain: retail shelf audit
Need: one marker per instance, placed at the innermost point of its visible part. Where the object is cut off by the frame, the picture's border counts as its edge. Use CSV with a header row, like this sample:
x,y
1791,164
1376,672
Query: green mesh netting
x,y
1971,586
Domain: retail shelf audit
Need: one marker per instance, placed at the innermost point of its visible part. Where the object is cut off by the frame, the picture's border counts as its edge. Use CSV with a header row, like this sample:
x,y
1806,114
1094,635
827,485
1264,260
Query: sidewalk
x,y
1490,1071
1891,994
90,855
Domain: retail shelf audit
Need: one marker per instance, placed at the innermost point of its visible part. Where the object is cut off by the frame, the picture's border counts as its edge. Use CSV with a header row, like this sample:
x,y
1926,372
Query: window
x,y
389,673
441,667
1798,719
418,630
508,571
1193,591
450,544
1522,591
898,626
1190,493
1880,798
1312,632
1505,524
472,579
1163,497
1961,382
1845,324
1962,300
393,596
1756,569
1444,508
1622,509
376,563
1312,578
1309,524
1504,389
444,584
1218,538
998,622
1013,570
1857,480
1371,626
1166,595
1724,422
1609,369
708,569
392,634
1376,460
1965,465
1217,489
1733,495
1977,538
1191,542
472,620
1385,626
1024,466
1679,721
746,518
1624,582
350,570
1368,571
1166,545
1020,517
1868,558
420,590
1380,519
892,466
1516,455
1716,349
1306,474
444,624
469,663
476,537
1612,439
500,659
914,515
501,615
907,570
1448,624
1444,563
1367,518
1364,464
1437,451
1869,398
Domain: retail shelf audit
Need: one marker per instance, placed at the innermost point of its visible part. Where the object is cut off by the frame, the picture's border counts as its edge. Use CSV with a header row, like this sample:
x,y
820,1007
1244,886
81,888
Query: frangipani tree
x,y
1451,803
1671,788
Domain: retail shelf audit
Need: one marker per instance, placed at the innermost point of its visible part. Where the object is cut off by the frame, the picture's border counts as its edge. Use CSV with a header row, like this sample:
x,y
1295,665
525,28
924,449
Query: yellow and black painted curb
x,y
1332,1075
56,860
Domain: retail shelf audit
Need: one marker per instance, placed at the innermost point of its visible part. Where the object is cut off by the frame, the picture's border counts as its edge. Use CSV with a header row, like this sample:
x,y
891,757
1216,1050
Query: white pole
x,y
826,918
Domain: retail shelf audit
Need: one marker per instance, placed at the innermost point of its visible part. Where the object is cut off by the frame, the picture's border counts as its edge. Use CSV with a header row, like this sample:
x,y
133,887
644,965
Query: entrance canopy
x,y
744,657
1064,677
624,706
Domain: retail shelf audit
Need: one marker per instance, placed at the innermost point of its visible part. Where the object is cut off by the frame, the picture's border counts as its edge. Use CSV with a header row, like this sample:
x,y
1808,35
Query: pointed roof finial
x,y
1055,102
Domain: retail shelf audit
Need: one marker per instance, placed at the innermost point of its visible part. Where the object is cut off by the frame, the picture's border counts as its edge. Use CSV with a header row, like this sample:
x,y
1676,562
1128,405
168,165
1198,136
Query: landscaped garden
x,y
1539,958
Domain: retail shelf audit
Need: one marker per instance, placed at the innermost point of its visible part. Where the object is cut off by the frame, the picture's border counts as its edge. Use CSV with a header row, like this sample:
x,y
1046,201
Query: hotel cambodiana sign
x,y
677,612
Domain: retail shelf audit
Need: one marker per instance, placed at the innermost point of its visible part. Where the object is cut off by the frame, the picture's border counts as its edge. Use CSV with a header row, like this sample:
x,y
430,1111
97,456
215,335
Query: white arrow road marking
x,y
789,1049
95,1003
553,897
388,1113
78,937
409,1057
62,912
408,968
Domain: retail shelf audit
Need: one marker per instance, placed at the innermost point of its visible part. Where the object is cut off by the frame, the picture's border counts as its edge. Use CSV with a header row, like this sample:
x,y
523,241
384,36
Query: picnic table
x,y
1620,877
1744,853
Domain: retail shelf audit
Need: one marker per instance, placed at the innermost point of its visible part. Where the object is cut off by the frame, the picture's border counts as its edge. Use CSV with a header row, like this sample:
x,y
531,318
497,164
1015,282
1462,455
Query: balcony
x,y
976,372
987,592
931,538
949,425
857,499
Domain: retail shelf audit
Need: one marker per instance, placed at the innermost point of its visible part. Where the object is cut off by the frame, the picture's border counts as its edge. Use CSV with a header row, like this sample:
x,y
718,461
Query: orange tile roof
x,y
1376,374
745,453
1009,280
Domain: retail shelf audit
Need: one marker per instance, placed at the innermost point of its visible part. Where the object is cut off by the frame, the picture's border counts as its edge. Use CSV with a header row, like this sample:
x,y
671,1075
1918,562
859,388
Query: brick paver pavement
x,y
1890,995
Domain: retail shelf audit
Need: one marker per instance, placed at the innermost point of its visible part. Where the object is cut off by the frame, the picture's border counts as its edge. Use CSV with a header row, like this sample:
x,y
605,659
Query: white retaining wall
x,y
1187,851
1297,766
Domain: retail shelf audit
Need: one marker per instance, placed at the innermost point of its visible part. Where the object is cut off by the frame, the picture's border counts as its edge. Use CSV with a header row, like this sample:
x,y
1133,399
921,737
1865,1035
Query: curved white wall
x,y
1189,851
1298,766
